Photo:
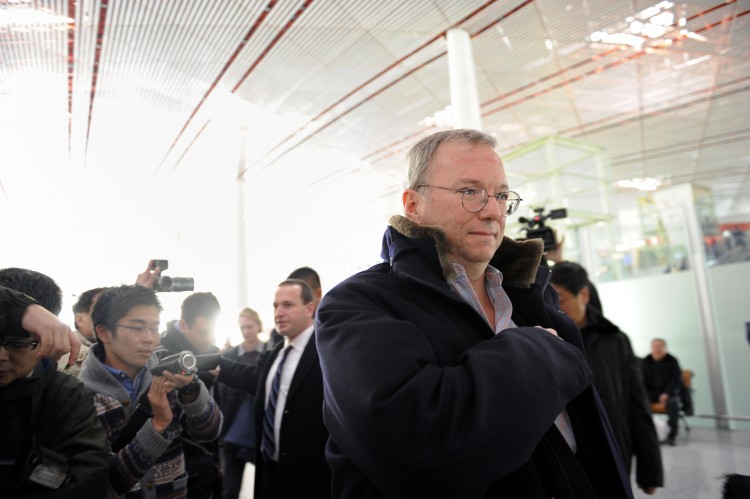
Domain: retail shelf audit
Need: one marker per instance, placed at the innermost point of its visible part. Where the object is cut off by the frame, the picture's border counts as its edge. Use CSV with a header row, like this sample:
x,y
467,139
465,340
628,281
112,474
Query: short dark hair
x,y
570,276
308,275
115,303
39,286
199,305
306,292
85,300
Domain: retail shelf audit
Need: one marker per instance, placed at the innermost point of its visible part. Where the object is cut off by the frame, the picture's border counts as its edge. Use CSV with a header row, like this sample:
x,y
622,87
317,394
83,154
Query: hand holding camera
x,y
152,278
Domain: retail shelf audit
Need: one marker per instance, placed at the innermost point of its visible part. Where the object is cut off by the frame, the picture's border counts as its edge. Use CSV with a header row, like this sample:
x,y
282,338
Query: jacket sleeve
x,y
387,392
243,377
675,377
133,461
12,306
203,418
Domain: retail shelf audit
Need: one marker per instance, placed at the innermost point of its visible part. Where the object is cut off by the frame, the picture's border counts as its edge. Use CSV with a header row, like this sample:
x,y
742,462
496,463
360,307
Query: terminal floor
x,y
693,468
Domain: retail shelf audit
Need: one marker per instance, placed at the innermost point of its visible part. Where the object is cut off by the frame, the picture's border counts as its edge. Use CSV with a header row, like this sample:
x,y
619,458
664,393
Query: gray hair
x,y
421,154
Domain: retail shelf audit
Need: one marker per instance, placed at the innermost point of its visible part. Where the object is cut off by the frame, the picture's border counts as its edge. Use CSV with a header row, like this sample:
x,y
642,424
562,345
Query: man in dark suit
x,y
290,435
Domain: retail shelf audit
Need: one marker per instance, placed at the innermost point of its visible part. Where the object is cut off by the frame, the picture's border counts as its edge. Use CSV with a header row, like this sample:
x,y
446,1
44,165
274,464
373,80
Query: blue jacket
x,y
422,399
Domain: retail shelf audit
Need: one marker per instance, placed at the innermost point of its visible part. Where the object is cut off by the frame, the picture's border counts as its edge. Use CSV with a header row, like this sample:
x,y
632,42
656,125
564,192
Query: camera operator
x,y
144,414
194,332
553,247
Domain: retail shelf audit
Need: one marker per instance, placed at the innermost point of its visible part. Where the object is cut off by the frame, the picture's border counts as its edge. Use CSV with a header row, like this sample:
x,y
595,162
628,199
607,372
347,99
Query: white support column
x,y
241,236
463,82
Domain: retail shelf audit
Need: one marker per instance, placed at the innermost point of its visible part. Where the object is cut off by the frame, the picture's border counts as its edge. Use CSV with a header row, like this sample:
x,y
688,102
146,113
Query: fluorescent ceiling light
x,y
642,184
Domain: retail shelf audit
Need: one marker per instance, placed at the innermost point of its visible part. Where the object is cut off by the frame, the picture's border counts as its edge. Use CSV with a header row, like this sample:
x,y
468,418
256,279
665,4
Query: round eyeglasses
x,y
474,199
18,345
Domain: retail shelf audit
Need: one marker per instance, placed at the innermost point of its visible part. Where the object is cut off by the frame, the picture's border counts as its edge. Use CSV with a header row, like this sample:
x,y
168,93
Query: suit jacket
x,y
302,470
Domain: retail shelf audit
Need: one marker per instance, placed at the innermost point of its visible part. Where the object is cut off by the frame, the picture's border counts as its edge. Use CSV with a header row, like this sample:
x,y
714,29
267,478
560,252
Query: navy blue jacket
x,y
422,399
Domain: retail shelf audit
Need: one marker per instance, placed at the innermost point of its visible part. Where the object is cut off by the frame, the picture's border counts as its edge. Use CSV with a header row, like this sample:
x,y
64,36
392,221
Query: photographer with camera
x,y
194,332
553,248
144,414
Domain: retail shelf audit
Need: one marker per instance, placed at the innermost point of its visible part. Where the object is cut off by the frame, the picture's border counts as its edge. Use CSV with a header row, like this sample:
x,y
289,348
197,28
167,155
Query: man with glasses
x,y
52,443
449,370
147,457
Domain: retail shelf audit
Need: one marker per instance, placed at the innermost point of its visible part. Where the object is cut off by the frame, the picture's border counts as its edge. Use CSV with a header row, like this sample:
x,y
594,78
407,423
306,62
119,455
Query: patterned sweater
x,y
152,465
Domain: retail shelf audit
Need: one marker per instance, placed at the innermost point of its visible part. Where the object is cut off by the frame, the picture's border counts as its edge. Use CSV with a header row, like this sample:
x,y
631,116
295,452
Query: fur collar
x,y
517,260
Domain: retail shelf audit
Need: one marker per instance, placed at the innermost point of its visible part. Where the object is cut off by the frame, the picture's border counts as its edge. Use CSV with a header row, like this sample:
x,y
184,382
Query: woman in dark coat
x,y
617,376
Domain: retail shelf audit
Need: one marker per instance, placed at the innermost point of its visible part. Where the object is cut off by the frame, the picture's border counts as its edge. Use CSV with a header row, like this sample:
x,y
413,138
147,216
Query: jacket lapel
x,y
306,363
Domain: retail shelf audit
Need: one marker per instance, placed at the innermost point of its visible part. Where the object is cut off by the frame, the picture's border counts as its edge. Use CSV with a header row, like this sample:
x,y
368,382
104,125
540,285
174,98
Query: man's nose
x,y
491,210
4,354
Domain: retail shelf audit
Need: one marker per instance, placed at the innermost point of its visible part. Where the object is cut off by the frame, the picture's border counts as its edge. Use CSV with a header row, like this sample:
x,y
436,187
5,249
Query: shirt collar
x,y
300,342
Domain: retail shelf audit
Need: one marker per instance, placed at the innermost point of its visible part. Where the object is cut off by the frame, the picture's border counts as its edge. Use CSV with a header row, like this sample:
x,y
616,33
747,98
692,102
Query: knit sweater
x,y
152,464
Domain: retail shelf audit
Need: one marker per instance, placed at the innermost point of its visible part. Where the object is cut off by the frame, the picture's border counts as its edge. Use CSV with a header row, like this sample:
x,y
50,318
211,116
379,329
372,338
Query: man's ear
x,y
183,325
78,316
411,200
585,295
310,309
103,334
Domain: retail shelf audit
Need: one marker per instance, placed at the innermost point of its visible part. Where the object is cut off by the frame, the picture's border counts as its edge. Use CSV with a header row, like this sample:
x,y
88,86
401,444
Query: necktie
x,y
268,445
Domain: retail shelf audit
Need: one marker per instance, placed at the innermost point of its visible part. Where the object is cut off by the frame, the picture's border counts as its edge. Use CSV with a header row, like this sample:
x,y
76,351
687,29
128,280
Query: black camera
x,y
166,283
536,229
186,362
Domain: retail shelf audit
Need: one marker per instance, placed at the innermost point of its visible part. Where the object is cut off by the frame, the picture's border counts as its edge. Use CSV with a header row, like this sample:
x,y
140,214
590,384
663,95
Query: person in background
x,y
662,376
555,255
47,419
194,332
146,457
84,329
617,376
311,277
238,433
289,431
449,370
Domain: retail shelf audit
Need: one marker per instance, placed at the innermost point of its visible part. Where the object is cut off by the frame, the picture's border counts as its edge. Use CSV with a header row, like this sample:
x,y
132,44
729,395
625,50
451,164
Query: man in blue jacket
x,y
449,370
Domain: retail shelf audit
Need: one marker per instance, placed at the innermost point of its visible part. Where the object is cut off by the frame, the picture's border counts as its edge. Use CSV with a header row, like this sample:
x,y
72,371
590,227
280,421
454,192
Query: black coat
x,y
618,379
422,399
65,422
302,468
664,376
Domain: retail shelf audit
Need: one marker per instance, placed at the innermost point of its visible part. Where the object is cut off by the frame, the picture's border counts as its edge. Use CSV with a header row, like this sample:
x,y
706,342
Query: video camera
x,y
166,283
186,362
537,230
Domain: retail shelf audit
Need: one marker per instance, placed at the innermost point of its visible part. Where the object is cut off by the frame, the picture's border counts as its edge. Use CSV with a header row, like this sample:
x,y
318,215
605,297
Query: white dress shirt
x,y
298,345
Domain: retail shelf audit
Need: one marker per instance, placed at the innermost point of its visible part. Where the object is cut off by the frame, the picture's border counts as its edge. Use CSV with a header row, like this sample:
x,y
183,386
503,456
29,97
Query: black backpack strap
x,y
141,414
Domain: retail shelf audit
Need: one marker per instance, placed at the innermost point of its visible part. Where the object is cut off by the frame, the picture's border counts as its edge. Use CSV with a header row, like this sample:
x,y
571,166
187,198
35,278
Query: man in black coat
x,y
662,376
449,370
43,410
617,376
288,388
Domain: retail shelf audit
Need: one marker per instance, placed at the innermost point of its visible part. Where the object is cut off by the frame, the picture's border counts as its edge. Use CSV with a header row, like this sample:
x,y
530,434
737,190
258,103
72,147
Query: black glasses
x,y
18,345
140,330
474,199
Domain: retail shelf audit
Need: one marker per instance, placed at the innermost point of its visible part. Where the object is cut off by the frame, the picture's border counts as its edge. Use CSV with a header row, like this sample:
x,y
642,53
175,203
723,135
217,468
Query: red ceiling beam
x,y
252,67
596,70
387,86
100,27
